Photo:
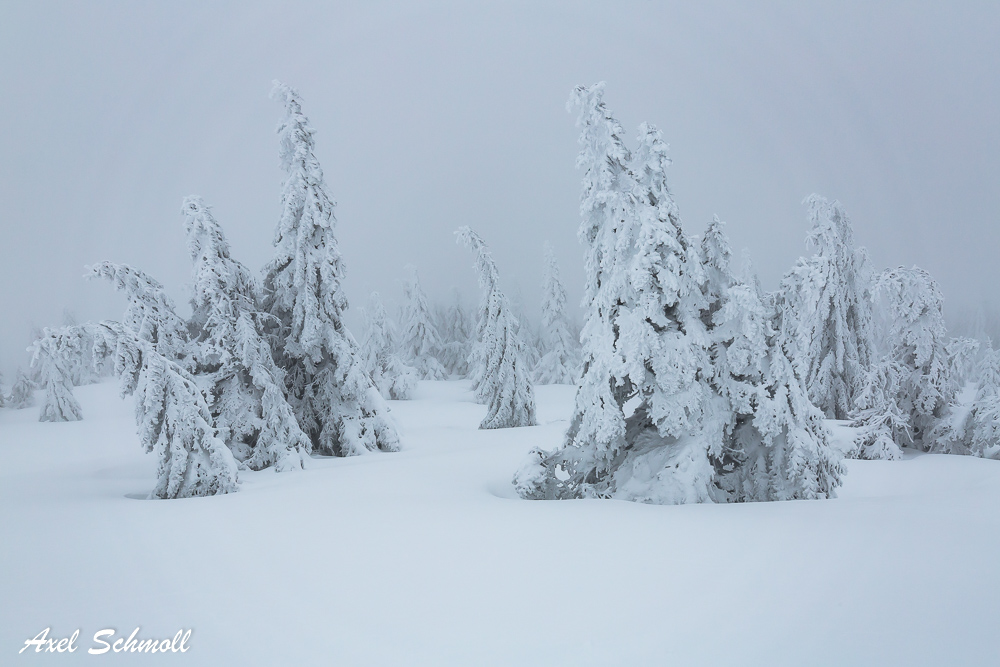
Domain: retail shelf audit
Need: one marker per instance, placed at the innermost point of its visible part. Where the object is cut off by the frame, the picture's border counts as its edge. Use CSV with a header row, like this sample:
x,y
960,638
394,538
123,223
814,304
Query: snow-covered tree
x,y
50,354
419,340
247,395
983,430
881,422
393,378
22,392
457,332
502,380
775,445
719,411
917,340
334,399
172,412
828,300
560,362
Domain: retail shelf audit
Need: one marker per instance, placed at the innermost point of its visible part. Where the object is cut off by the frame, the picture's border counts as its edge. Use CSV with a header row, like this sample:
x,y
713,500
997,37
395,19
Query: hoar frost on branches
x,y
334,399
560,362
248,403
827,301
393,378
720,413
500,375
908,390
419,341
52,356
172,413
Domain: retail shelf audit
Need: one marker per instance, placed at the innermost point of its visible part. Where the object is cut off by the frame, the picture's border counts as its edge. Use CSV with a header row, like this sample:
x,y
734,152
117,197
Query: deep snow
x,y
426,557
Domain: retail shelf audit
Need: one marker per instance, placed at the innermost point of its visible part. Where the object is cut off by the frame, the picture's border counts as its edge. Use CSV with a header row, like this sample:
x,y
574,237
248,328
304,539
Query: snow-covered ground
x,y
426,557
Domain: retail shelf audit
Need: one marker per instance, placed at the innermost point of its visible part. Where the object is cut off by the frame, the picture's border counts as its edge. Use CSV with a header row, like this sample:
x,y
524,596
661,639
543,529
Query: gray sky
x,y
439,114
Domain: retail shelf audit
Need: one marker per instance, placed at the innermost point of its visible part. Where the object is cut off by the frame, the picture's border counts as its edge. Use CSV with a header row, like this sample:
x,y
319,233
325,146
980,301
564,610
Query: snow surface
x,y
426,557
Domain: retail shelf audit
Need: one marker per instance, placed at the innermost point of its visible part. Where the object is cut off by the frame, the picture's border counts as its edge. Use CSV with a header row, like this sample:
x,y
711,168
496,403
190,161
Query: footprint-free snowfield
x,y
426,556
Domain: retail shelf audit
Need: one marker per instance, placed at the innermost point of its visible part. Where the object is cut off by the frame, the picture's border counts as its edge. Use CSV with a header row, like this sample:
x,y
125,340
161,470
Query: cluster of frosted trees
x,y
693,384
698,386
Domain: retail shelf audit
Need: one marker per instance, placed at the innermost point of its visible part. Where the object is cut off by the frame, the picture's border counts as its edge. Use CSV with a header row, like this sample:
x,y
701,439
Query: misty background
x,y
432,115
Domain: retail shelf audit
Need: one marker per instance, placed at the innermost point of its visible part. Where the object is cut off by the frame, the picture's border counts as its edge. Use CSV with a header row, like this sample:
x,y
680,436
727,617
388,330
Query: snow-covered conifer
x,y
393,378
881,421
560,362
642,338
720,413
334,399
247,397
828,302
50,355
22,392
419,340
457,332
503,381
917,338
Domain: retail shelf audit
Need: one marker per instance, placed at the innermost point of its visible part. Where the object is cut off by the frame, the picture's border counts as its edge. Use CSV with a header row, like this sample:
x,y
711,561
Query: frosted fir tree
x,y
642,338
775,445
247,395
964,356
419,342
50,355
458,331
22,391
917,340
560,363
174,420
393,378
983,429
597,428
335,402
829,300
502,380
880,420
171,411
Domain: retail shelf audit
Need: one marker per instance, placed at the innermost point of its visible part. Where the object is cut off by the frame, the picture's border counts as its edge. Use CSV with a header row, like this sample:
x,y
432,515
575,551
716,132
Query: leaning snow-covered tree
x,y
334,399
174,420
171,411
393,378
827,299
775,445
22,392
502,380
720,414
228,343
560,363
419,340
51,354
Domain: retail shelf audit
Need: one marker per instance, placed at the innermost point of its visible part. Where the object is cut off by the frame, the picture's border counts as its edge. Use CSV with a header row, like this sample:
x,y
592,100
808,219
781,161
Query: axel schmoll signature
x,y
104,641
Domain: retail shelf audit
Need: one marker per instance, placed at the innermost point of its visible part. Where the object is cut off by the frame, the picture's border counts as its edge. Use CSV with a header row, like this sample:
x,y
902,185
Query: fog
x,y
434,115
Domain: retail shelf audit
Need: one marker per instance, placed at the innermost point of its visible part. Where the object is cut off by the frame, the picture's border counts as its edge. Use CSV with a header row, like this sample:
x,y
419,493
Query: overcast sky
x,y
439,114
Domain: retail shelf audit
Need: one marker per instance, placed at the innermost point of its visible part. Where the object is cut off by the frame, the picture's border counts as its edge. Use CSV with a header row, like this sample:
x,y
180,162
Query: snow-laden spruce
x,y
393,378
52,355
457,330
22,391
560,362
719,413
419,342
500,376
335,402
911,386
171,411
827,299
247,389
